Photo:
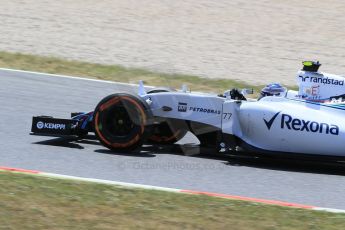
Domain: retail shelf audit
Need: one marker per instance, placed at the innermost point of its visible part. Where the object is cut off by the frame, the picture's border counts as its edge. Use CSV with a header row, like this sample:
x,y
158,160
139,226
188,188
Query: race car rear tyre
x,y
122,122
169,131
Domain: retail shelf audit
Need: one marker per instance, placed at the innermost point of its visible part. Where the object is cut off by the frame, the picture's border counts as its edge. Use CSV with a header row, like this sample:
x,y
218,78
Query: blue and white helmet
x,y
273,89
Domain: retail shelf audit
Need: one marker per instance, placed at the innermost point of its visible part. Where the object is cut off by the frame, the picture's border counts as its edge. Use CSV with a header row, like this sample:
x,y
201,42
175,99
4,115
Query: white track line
x,y
109,182
333,210
86,78
149,187
67,76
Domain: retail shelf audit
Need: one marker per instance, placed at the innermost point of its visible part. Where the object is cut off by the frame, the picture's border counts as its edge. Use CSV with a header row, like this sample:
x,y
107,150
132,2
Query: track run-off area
x,y
26,94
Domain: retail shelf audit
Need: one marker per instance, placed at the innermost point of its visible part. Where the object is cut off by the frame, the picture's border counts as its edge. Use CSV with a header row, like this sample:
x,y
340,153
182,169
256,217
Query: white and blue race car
x,y
310,121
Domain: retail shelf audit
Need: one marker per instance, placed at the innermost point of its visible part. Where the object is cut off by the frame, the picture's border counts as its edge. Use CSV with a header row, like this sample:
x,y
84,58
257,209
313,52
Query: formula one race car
x,y
308,121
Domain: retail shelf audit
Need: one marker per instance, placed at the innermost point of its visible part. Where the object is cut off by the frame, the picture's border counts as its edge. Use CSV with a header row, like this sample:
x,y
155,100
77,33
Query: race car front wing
x,y
53,126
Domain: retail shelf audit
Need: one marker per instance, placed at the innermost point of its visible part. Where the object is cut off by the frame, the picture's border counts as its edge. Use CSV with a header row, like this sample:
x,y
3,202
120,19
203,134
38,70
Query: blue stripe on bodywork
x,y
339,106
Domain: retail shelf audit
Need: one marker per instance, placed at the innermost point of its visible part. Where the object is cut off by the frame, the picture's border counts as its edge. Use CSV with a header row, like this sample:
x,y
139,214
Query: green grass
x,y
31,202
115,73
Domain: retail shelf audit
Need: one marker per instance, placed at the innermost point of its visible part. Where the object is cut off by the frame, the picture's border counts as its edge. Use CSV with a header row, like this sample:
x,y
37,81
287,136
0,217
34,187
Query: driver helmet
x,y
273,89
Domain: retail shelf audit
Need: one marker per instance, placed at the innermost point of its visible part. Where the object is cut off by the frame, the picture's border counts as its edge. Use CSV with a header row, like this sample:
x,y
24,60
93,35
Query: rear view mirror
x,y
247,91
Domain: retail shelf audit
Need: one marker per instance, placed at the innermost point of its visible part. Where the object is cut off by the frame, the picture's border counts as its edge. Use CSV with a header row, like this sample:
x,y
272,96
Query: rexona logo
x,y
182,107
42,125
323,80
288,122
270,121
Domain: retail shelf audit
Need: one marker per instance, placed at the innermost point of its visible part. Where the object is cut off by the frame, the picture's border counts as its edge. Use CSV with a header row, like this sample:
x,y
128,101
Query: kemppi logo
x,y
43,125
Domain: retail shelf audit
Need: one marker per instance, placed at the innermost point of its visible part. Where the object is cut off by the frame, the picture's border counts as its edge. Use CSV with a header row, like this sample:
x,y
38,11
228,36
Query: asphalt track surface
x,y
23,95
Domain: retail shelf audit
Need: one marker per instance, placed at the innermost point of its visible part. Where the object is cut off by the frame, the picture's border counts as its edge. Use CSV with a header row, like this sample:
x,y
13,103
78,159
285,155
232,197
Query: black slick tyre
x,y
122,122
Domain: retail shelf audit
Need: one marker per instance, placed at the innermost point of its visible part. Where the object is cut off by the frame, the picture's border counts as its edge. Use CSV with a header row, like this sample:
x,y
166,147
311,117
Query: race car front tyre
x,y
122,122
